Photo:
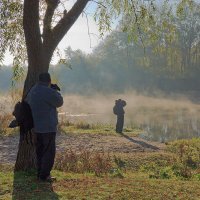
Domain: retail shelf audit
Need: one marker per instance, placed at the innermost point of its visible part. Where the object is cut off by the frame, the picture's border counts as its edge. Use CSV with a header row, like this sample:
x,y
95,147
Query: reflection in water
x,y
172,130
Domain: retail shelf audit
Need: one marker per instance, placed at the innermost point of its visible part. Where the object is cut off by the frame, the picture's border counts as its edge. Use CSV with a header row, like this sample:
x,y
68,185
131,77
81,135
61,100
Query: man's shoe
x,y
120,132
49,179
13,124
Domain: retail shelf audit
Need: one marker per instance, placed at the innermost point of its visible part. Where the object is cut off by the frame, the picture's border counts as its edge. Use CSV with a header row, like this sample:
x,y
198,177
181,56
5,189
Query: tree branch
x,y
101,4
138,25
88,29
67,21
51,6
31,27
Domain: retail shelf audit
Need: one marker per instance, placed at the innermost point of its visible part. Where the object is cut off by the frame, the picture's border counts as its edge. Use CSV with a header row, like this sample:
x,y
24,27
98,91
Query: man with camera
x,y
43,99
118,110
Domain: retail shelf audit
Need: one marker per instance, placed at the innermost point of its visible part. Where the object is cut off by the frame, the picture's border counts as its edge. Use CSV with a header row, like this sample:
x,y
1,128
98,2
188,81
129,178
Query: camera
x,y
55,87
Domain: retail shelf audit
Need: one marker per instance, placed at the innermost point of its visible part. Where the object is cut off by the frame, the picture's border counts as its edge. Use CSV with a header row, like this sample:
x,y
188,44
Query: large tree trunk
x,y
36,66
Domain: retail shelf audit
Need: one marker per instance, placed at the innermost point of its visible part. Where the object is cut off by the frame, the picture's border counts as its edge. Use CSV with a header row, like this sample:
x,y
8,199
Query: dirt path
x,y
118,144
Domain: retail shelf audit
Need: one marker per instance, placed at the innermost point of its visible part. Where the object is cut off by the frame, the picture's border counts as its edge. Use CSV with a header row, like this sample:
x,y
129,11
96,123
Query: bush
x,y
186,155
156,171
186,152
82,125
5,120
84,161
186,161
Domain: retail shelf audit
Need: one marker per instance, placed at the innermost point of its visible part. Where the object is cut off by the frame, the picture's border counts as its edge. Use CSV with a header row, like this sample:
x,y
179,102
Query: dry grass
x,y
84,162
6,117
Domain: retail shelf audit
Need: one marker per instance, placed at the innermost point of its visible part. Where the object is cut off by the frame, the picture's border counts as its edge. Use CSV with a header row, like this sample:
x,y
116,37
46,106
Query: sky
x,y
77,37
84,34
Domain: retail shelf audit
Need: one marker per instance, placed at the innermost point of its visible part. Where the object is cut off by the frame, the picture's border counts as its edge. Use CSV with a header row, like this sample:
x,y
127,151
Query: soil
x,y
92,142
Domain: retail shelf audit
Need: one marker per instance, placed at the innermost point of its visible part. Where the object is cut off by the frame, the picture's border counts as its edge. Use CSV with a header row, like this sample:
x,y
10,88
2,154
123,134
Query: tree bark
x,y
40,48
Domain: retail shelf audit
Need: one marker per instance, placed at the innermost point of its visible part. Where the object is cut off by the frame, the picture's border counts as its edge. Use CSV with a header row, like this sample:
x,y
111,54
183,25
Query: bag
x,y
123,103
24,119
115,110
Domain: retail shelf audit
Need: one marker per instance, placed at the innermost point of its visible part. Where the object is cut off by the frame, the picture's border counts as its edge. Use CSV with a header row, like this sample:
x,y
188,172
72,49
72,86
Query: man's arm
x,y
54,98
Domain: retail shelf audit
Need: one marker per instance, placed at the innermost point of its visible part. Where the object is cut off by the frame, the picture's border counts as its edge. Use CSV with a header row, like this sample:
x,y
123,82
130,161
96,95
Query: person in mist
x,y
43,99
118,110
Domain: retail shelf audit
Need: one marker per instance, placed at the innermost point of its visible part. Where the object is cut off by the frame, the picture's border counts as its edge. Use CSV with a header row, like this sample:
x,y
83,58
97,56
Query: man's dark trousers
x,y
120,123
45,150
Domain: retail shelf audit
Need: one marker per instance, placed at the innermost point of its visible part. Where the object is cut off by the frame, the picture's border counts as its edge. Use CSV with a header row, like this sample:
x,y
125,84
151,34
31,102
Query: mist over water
x,y
159,118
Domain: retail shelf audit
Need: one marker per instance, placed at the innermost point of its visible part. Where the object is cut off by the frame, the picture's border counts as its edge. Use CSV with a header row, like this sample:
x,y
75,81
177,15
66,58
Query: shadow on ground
x,y
141,143
27,187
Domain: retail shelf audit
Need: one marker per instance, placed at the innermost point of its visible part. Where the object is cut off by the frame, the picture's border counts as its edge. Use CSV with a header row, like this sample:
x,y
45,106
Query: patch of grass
x,y
132,184
85,128
98,128
5,120
186,150
6,184
75,130
184,162
24,186
85,161
134,161
186,157
6,167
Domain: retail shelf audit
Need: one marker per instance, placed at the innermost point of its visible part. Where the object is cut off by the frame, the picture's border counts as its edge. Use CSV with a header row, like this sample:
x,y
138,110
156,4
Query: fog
x,y
159,118
140,112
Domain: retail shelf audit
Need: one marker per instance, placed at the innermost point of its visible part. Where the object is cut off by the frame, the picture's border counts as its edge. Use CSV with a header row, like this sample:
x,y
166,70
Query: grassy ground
x,y
103,129
132,183
24,186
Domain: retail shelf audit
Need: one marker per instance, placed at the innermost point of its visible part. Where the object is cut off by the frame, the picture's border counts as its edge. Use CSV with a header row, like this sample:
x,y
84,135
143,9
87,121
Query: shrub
x,y
84,161
186,152
120,163
82,125
186,161
186,156
5,119
156,171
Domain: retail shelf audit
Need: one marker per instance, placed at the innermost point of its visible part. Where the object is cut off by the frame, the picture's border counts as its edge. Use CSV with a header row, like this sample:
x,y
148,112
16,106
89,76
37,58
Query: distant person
x,y
118,110
43,99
